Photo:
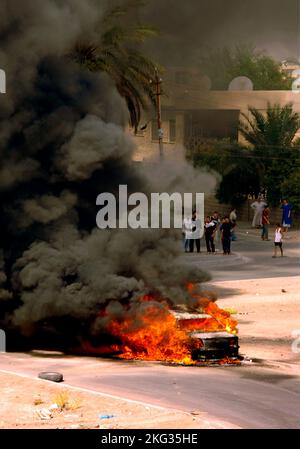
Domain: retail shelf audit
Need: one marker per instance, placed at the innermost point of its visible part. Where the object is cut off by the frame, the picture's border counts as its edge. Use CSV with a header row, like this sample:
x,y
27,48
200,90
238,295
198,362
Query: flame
x,y
219,320
222,319
150,331
154,335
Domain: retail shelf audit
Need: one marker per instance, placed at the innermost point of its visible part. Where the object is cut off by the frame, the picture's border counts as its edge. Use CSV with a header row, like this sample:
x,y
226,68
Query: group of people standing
x,y
215,230
222,230
261,220
262,215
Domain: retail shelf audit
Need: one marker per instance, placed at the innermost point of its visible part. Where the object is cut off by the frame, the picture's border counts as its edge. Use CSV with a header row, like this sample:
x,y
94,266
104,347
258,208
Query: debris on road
x,y
246,360
107,416
38,400
53,407
53,376
44,413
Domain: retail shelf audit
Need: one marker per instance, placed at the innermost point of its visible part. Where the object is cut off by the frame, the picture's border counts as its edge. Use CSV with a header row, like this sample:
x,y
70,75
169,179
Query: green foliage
x,y
290,188
115,53
275,128
223,65
271,162
272,135
237,165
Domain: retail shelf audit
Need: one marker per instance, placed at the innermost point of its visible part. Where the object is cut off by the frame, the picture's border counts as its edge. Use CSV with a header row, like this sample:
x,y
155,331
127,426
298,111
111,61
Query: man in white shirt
x,y
258,207
187,231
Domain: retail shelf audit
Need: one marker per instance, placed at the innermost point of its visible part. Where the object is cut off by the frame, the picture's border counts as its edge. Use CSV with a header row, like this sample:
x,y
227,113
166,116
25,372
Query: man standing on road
x,y
209,229
226,228
216,219
187,233
258,207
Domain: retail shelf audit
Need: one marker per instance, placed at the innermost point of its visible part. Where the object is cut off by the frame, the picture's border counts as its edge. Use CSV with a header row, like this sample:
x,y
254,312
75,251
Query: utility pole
x,y
158,92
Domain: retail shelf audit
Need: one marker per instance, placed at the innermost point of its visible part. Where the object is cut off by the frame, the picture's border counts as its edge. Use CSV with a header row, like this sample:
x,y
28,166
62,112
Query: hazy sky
x,y
189,25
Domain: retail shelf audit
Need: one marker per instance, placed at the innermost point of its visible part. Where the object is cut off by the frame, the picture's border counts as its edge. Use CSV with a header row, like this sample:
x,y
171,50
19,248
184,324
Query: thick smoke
x,y
190,27
62,143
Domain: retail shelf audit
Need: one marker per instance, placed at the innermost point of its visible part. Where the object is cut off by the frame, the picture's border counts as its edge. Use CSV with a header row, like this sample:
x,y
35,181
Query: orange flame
x,y
222,319
154,336
219,320
151,332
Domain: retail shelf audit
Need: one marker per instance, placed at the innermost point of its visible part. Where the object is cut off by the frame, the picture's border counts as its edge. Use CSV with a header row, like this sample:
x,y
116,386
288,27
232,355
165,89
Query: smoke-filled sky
x,y
188,26
62,142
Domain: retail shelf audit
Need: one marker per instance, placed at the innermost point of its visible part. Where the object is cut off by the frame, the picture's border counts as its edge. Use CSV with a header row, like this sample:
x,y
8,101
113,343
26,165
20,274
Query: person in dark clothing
x,y
225,229
209,229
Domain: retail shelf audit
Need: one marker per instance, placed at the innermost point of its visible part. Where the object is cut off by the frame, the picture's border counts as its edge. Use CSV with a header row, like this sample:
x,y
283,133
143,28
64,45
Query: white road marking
x,y
214,422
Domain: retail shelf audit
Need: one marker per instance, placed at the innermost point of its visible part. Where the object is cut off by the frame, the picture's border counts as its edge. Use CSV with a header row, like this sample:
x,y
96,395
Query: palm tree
x,y
277,128
272,136
115,53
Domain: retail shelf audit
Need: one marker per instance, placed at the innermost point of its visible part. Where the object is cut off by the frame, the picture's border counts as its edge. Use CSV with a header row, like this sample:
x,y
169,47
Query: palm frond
x,y
115,54
274,129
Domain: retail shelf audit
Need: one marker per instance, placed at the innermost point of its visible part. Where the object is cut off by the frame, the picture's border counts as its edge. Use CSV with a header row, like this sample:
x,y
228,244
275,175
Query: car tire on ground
x,y
50,375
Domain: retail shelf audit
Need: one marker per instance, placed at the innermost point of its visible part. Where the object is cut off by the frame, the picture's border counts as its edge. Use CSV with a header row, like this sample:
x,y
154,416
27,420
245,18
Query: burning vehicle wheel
x,y
54,377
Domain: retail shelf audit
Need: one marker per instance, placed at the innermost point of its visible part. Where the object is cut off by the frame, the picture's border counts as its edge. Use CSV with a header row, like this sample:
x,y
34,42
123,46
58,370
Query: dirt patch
x,y
32,403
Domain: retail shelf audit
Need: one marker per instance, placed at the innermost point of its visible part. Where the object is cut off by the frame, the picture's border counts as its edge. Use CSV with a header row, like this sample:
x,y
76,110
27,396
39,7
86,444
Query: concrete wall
x,y
236,100
148,149
180,101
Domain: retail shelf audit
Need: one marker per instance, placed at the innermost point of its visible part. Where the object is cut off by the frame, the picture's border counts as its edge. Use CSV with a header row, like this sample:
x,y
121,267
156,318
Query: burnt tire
x,y
51,375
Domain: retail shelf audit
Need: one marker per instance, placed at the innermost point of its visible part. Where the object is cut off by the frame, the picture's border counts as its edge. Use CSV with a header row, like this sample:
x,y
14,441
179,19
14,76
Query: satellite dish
x,y
241,83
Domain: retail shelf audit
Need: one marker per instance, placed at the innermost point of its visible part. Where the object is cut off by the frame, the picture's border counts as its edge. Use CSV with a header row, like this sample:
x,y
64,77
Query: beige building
x,y
191,113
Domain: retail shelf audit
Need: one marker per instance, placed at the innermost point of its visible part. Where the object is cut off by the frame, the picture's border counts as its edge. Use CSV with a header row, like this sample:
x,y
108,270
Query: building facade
x,y
191,112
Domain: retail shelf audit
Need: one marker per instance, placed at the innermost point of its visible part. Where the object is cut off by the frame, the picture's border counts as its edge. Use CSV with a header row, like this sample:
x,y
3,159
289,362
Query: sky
x,y
190,26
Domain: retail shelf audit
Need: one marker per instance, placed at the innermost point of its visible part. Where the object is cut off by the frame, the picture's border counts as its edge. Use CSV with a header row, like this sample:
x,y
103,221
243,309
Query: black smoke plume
x,y
62,143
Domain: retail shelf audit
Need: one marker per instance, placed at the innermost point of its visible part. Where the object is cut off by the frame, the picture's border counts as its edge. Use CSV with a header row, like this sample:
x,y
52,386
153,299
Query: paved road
x,y
247,396
251,258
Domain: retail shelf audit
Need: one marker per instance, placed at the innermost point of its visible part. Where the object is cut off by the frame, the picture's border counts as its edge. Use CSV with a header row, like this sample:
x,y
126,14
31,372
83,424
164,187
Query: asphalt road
x,y
251,258
247,396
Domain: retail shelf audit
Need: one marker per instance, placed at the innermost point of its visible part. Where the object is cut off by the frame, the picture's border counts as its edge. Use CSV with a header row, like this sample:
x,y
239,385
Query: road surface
x,y
245,396
251,258
249,396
